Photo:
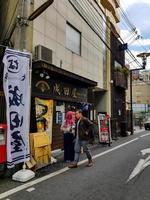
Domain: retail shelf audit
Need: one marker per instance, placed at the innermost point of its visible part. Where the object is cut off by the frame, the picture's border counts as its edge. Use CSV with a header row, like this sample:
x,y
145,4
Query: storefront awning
x,y
59,73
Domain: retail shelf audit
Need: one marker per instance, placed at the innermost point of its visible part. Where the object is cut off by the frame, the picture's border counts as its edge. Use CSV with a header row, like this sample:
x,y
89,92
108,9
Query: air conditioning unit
x,y
43,53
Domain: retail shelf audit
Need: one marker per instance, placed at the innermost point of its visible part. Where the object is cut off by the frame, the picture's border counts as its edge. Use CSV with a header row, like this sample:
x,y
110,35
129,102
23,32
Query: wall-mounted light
x,y
43,74
47,76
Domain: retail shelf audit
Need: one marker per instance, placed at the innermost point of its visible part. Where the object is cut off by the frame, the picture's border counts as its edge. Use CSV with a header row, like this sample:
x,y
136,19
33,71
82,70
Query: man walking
x,y
83,129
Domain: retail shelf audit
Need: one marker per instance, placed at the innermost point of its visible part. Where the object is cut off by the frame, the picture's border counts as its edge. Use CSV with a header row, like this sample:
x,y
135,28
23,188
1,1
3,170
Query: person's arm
x,y
90,131
62,127
88,124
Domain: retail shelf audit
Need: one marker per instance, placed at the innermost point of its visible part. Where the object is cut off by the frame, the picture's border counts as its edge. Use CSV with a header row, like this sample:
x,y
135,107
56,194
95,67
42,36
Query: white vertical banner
x,y
16,83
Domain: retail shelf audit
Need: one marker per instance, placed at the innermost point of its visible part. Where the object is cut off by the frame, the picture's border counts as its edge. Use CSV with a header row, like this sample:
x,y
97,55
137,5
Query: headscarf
x,y
70,119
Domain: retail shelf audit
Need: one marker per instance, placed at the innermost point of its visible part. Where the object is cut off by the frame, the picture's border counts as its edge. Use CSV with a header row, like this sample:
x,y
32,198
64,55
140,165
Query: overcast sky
x,y
138,12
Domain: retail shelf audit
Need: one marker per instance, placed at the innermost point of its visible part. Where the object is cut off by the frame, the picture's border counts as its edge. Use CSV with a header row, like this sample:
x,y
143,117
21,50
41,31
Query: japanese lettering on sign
x,y
16,89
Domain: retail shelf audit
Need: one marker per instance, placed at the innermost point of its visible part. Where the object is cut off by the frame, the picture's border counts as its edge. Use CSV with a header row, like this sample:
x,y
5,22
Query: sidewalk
x,y
138,130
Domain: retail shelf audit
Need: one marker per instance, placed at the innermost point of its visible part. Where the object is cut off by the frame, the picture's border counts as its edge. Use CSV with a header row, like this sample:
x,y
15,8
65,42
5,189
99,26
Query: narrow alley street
x,y
74,100
107,179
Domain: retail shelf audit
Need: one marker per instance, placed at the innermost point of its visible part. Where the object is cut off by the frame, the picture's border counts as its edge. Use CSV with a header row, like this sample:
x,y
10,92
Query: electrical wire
x,y
132,26
98,27
142,45
124,15
128,51
99,32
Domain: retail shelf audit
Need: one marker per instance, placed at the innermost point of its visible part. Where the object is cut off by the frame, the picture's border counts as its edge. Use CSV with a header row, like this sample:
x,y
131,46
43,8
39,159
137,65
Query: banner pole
x,y
29,109
26,174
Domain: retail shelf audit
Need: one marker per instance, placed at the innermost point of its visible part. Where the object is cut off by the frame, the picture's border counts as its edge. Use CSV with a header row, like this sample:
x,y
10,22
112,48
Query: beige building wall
x,y
110,8
108,94
49,30
104,104
141,93
140,89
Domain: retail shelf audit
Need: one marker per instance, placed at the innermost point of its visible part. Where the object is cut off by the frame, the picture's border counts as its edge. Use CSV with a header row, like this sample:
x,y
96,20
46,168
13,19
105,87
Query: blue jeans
x,y
77,149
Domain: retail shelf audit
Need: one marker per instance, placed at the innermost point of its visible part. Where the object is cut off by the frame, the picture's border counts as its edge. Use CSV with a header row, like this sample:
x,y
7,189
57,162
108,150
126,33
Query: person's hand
x,y
86,133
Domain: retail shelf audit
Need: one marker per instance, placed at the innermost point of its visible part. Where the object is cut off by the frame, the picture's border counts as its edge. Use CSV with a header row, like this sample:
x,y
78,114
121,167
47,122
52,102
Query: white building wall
x,y
49,30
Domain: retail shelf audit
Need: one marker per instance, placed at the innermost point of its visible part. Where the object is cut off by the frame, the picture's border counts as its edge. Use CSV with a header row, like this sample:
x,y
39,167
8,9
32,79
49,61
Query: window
x,y
60,112
73,39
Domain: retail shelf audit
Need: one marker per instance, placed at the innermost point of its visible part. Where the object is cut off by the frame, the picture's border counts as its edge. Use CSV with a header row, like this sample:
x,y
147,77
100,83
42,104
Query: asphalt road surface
x,y
105,180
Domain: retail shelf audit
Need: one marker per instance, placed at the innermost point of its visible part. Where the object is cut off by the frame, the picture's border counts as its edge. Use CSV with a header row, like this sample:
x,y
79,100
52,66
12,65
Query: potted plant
x,y
122,70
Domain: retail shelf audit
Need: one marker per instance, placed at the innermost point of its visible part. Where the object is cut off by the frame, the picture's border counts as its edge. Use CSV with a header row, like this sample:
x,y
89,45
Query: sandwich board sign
x,y
104,128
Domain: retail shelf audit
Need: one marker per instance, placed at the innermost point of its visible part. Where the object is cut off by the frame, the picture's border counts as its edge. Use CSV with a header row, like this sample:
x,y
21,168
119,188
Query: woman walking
x,y
68,128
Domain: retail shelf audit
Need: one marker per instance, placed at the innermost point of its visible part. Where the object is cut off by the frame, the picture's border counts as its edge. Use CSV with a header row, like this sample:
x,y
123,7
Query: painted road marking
x,y
145,151
30,189
136,170
145,135
141,165
117,147
44,178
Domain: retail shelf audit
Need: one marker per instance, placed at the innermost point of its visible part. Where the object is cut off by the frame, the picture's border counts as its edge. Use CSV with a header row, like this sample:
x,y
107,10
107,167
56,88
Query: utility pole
x,y
24,30
23,42
131,106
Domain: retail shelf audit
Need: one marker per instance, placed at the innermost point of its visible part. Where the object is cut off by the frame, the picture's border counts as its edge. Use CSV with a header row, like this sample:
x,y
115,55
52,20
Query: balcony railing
x,y
120,79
